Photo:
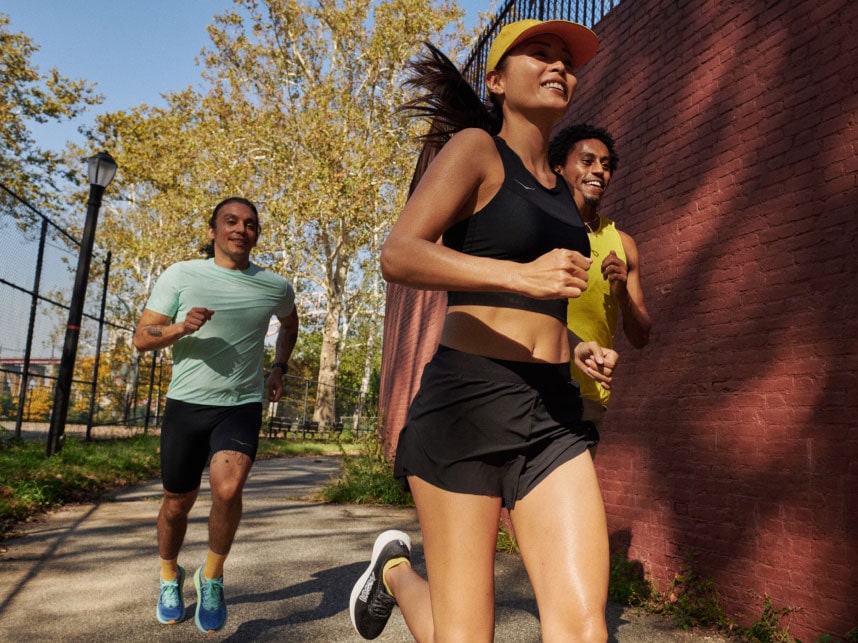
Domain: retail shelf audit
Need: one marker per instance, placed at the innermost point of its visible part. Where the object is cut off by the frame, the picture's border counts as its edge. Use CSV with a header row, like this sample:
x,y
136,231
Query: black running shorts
x,y
189,432
491,427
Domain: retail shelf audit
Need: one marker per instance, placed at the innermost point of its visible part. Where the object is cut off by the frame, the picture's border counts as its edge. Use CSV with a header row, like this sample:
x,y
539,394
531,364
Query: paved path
x,y
89,573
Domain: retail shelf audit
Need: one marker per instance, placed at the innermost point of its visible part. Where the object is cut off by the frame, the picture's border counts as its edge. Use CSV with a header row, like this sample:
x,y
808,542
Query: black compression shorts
x,y
190,432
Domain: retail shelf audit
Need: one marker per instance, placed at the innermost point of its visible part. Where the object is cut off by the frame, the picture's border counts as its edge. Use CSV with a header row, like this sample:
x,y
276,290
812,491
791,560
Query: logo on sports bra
x,y
526,187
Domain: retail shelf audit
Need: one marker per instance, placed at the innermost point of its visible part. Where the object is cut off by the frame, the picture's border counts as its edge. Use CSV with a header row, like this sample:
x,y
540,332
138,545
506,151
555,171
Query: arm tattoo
x,y
154,331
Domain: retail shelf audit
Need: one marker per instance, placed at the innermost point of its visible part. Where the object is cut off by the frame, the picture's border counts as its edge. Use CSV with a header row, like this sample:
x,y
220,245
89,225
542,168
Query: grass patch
x,y
367,478
31,483
506,542
767,628
692,601
627,583
279,448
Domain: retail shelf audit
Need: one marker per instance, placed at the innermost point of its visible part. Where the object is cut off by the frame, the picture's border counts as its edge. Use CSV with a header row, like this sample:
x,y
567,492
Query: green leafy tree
x,y
315,89
112,387
29,97
8,404
39,402
300,116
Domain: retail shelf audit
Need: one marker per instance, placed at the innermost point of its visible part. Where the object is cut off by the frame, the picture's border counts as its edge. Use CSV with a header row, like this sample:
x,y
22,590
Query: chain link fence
x,y
115,389
38,258
112,384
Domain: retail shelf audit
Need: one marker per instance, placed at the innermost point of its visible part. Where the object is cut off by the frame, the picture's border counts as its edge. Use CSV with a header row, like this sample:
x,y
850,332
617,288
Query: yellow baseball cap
x,y
581,41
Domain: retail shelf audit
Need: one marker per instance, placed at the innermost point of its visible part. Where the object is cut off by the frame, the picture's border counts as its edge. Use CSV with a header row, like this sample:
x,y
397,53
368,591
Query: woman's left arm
x,y
596,361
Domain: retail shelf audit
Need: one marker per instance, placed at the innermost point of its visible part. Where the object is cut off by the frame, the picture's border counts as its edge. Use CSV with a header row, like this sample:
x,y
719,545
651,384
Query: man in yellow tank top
x,y
586,158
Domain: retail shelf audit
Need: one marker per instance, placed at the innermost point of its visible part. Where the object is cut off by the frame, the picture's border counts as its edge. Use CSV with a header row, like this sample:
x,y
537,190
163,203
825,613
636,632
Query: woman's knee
x,y
591,628
465,631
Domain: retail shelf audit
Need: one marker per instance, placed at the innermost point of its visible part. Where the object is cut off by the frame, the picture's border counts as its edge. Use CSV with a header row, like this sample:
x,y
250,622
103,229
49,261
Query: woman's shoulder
x,y
473,136
470,146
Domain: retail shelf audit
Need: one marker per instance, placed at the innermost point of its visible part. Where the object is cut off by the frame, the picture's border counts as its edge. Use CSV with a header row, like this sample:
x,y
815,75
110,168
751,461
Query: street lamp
x,y
101,170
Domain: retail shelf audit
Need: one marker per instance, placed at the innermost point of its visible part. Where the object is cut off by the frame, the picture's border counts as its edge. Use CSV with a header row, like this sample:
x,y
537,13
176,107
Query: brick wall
x,y
412,327
732,437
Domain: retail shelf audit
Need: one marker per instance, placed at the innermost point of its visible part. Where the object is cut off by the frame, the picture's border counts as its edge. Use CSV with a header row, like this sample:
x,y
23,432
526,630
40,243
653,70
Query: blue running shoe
x,y
171,602
211,607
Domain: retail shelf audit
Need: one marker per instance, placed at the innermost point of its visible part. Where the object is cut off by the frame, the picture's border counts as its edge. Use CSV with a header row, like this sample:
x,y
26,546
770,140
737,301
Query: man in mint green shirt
x,y
214,313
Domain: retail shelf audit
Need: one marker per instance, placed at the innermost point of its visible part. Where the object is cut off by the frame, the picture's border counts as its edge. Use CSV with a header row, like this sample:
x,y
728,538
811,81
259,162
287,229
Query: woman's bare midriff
x,y
506,333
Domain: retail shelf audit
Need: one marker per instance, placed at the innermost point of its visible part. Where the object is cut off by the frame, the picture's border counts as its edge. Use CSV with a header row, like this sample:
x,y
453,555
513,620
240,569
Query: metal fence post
x,y
149,395
306,396
31,326
94,393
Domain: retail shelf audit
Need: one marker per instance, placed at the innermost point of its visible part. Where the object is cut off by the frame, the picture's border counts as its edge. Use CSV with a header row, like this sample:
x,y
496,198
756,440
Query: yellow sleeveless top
x,y
593,316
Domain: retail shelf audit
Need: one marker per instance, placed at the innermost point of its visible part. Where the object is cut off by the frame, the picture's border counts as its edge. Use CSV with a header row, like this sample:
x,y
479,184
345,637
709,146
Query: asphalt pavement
x,y
89,573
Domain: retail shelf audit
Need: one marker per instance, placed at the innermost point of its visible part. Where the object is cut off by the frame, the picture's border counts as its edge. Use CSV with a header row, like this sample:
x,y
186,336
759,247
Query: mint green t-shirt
x,y
221,363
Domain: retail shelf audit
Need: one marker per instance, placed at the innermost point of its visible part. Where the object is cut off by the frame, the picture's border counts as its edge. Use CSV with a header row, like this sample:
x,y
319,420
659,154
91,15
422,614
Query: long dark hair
x,y
448,101
207,250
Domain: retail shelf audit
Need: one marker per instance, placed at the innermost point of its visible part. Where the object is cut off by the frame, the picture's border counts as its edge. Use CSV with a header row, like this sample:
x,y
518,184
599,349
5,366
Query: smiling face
x,y
537,72
234,235
588,170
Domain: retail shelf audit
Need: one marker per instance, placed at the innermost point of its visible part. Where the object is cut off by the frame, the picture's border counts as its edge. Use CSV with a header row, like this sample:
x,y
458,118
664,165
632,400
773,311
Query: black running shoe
x,y
370,604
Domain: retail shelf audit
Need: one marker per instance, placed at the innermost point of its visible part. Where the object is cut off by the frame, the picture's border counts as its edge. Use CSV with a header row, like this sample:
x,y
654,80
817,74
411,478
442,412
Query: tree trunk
x,y
370,352
325,410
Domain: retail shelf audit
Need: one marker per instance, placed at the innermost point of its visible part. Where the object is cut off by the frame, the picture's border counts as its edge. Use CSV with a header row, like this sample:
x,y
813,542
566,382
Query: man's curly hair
x,y
565,139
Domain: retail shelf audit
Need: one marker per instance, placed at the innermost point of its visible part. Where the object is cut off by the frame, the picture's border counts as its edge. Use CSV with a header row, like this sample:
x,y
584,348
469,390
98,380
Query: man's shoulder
x,y
622,241
270,278
188,264
256,270
609,224
182,269
626,239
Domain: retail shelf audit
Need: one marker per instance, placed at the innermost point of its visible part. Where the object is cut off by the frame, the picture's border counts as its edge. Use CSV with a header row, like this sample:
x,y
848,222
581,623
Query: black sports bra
x,y
523,221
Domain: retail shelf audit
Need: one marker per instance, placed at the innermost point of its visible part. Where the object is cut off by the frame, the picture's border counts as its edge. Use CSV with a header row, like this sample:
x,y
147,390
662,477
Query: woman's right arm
x,y
461,180
448,192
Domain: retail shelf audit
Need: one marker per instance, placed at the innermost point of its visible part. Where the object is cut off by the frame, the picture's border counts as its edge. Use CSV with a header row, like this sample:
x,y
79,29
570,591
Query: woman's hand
x,y
596,361
558,274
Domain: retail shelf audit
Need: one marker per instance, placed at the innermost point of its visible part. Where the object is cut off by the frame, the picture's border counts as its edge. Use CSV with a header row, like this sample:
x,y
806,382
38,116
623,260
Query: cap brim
x,y
581,42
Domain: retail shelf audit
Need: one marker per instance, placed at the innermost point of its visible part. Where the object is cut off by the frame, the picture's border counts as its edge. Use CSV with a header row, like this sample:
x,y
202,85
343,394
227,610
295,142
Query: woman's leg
x,y
459,540
412,596
562,532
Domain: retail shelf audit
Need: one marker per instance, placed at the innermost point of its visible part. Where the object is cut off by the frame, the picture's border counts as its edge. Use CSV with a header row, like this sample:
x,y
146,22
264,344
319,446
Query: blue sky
x,y
134,50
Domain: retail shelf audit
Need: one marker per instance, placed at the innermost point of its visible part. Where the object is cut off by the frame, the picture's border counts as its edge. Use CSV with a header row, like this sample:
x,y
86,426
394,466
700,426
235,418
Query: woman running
x,y
497,420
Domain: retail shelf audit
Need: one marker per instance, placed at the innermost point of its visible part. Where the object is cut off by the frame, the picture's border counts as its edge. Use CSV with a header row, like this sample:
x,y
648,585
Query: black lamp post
x,y
101,170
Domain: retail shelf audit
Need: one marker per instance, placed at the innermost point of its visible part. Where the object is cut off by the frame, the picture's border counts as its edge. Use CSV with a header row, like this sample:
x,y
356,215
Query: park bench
x,y
313,431
277,425
307,430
